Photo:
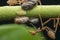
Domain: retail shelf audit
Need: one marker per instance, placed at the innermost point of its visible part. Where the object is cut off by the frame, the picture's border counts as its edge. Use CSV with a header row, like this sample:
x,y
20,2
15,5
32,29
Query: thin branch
x,y
33,26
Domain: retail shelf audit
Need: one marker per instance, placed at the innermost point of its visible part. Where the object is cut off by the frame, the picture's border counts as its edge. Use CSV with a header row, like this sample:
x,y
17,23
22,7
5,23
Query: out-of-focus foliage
x,y
18,32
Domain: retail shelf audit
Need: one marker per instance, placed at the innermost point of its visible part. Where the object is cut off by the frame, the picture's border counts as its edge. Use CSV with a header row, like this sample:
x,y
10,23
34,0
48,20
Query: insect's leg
x,y
47,21
57,24
54,22
40,2
33,26
46,29
41,21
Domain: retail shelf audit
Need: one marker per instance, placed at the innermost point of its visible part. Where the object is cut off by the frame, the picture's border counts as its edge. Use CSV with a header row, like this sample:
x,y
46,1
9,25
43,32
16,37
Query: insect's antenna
x,y
57,24
54,22
33,26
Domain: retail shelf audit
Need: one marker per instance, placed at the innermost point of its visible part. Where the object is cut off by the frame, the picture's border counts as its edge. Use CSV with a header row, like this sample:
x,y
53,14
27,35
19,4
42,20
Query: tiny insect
x,y
26,19
25,4
19,20
30,4
50,32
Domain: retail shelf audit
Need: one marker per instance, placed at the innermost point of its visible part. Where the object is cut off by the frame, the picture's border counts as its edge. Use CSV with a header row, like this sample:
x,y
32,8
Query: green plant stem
x,y
10,12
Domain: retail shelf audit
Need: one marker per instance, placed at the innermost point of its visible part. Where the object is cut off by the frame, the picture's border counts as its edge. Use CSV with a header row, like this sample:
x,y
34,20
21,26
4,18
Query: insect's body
x,y
21,20
30,4
51,33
